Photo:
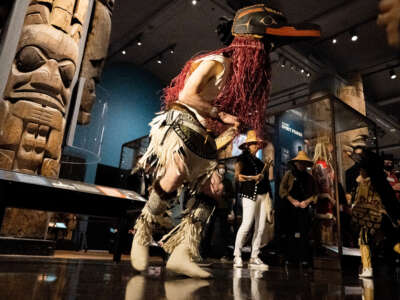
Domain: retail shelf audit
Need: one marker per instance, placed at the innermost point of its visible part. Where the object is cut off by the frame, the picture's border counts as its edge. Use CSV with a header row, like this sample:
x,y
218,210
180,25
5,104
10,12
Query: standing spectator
x,y
299,188
252,175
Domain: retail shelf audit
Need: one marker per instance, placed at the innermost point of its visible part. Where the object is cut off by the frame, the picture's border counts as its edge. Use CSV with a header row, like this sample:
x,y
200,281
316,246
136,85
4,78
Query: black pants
x,y
216,241
299,248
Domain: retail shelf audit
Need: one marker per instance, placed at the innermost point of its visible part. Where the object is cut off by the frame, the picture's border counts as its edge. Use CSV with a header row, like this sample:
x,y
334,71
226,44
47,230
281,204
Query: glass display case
x,y
323,127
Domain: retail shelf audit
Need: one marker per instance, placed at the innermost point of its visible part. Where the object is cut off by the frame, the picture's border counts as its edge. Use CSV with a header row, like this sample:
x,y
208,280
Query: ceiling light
x,y
172,49
159,60
354,36
283,63
334,40
194,2
302,71
392,74
139,40
308,74
123,52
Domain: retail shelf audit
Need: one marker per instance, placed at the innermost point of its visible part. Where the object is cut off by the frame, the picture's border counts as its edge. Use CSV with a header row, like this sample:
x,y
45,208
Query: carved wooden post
x,y
353,95
95,55
36,97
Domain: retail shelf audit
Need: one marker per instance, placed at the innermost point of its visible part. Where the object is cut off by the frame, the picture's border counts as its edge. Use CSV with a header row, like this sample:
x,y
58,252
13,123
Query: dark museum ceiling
x,y
163,23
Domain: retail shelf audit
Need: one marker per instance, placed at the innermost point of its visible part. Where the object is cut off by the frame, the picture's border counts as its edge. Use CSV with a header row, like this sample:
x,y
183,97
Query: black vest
x,y
251,166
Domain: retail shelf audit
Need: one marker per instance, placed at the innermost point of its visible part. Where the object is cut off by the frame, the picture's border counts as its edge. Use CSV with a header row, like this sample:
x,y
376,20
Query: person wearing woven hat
x,y
220,89
299,188
252,175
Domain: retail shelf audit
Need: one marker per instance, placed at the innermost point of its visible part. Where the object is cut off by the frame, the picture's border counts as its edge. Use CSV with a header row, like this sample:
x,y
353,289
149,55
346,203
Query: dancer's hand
x,y
228,119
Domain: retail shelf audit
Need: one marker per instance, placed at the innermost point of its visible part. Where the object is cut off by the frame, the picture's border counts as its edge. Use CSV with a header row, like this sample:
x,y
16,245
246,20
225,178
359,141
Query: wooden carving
x,y
33,108
95,55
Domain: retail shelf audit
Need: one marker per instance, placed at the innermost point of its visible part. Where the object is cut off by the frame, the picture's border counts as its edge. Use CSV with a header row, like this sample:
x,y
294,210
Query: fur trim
x,y
144,228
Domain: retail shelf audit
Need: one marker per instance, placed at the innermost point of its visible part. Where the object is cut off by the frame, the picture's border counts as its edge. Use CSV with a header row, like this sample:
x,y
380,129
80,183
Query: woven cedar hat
x,y
360,141
252,139
302,156
261,21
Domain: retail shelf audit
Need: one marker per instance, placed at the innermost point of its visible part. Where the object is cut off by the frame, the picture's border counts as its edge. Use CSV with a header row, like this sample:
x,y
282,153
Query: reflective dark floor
x,y
48,278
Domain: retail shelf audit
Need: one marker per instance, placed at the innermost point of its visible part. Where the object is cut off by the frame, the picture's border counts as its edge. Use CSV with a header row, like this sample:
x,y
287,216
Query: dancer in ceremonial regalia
x,y
214,93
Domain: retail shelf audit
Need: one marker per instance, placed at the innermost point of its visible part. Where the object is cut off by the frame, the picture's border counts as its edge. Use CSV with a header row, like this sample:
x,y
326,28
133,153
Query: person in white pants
x,y
254,189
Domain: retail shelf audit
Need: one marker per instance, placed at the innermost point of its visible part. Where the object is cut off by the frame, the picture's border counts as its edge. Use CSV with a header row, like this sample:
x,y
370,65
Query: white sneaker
x,y
237,262
366,273
256,263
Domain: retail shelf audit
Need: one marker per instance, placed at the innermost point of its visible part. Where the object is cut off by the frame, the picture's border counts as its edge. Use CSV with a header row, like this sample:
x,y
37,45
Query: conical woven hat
x,y
302,156
252,139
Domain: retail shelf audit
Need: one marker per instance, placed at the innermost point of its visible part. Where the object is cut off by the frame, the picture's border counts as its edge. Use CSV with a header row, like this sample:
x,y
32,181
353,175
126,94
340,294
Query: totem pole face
x,y
44,67
32,115
33,107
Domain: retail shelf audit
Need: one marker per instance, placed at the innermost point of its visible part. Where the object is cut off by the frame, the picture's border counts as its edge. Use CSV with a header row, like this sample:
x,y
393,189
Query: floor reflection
x,y
257,290
46,278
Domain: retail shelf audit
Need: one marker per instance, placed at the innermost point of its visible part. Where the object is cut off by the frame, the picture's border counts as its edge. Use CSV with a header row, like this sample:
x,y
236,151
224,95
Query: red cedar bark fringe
x,y
246,91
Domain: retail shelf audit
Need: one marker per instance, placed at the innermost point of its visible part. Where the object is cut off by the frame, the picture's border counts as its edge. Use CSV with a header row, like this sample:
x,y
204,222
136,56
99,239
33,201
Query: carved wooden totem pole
x,y
33,108
95,55
353,95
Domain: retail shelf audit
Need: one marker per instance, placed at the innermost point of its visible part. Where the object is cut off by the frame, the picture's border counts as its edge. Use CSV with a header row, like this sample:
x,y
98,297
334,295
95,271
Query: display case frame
x,y
334,118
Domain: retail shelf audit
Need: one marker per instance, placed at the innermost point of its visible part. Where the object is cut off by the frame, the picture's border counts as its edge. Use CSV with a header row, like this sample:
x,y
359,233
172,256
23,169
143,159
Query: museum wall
x,y
134,97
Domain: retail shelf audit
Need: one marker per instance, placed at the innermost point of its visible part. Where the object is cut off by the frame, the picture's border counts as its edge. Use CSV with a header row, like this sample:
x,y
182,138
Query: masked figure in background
x,y
324,176
299,188
223,88
375,205
252,174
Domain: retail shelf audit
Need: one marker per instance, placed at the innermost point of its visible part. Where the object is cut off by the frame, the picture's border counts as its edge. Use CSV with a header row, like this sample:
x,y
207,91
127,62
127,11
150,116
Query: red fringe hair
x,y
246,91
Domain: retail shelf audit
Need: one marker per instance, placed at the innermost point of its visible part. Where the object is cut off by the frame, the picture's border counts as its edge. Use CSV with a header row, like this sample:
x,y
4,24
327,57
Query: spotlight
x,y
392,74
334,40
302,71
172,49
123,52
159,60
354,36
308,74
194,2
139,40
283,63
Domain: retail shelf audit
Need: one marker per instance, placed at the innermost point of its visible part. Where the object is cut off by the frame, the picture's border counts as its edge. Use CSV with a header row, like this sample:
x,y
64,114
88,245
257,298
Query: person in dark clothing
x,y
218,235
299,188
